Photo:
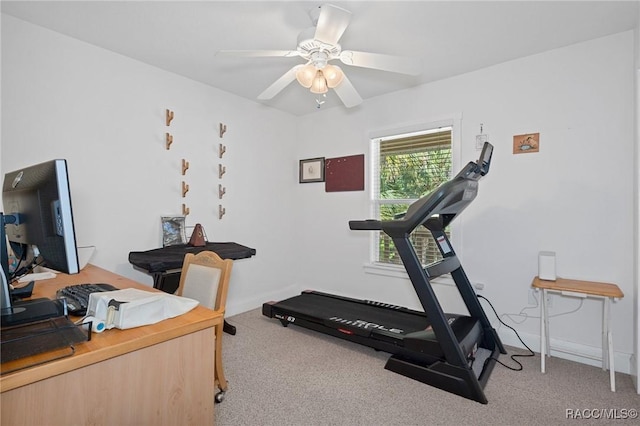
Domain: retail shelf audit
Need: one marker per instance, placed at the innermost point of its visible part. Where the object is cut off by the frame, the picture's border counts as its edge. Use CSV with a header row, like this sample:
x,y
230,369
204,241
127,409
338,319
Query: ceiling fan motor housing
x,y
317,52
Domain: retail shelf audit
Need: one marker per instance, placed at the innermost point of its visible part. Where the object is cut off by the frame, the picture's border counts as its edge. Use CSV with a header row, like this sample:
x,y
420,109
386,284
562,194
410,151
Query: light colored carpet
x,y
294,376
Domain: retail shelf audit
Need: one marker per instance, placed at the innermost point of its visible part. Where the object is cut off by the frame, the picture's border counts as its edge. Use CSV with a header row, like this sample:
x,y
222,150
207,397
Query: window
x,y
407,167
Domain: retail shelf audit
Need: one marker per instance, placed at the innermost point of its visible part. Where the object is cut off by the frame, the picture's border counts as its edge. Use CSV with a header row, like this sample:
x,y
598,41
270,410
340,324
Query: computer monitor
x,y
40,197
38,216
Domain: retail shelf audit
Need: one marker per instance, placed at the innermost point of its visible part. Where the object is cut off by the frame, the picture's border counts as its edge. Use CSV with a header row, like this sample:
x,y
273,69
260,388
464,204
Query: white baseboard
x,y
583,354
245,305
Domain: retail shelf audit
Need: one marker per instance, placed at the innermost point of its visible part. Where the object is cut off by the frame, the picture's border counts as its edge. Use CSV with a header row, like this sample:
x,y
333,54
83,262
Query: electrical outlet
x,y
479,286
535,298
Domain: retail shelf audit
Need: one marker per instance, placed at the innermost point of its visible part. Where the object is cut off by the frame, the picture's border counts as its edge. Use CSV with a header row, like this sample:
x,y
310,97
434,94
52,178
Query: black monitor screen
x,y
39,199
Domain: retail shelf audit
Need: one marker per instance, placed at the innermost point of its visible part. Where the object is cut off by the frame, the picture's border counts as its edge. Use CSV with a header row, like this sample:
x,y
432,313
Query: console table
x,y
156,374
583,289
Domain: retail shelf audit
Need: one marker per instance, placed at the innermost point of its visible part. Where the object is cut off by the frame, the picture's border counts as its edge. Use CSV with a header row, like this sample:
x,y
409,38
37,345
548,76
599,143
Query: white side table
x,y
576,288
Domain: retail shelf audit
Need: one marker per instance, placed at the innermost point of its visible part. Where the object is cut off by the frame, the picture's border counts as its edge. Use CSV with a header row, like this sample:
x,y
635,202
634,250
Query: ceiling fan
x,y
318,45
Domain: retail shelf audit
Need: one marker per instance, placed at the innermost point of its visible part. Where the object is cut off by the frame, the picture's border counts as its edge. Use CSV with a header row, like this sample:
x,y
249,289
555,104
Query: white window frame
x,y
455,122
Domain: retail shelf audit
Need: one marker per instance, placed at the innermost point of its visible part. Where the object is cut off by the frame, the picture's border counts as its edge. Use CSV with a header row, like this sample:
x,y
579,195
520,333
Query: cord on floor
x,y
513,357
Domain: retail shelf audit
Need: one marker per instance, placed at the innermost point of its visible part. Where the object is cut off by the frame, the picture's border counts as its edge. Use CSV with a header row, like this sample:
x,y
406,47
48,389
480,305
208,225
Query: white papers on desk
x,y
131,307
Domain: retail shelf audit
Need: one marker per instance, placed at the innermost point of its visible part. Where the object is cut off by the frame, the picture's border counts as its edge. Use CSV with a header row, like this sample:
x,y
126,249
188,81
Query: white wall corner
x,y
635,364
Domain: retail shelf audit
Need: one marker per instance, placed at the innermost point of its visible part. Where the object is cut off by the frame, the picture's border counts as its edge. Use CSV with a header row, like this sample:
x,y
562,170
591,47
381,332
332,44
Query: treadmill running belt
x,y
326,308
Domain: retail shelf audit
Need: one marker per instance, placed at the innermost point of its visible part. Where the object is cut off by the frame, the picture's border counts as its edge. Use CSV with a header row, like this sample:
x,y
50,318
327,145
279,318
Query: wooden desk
x,y
575,288
160,374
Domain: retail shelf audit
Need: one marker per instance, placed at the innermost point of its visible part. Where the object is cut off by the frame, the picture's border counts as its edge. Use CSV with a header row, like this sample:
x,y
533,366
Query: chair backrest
x,y
205,278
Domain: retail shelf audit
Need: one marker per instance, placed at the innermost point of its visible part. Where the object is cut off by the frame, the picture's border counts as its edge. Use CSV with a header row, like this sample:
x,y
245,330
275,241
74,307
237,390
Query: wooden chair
x,y
205,278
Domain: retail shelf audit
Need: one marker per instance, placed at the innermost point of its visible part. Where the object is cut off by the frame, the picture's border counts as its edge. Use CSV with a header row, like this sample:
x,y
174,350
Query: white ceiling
x,y
451,37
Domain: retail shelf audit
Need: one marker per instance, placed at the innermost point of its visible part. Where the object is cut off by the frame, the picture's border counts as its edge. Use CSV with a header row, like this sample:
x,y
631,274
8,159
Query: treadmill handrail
x,y
365,225
450,198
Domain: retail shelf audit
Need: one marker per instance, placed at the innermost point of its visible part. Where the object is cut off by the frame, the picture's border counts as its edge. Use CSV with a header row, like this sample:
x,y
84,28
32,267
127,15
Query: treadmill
x,y
452,352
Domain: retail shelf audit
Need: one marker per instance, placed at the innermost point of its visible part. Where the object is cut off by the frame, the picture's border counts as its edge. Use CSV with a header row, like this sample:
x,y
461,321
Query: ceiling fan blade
x,y
259,53
280,84
399,64
347,93
332,22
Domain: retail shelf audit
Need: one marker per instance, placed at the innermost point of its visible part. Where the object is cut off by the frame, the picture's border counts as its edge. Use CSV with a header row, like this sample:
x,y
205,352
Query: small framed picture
x,y
312,170
526,144
173,230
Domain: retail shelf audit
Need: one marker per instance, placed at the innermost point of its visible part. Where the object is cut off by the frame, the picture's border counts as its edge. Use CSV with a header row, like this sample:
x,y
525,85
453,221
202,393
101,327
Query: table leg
x,y
612,370
543,326
228,328
547,296
605,333
607,324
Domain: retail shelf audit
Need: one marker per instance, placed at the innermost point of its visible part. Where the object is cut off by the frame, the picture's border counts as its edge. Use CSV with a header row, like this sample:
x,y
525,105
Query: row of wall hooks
x,y
168,136
221,171
222,149
169,115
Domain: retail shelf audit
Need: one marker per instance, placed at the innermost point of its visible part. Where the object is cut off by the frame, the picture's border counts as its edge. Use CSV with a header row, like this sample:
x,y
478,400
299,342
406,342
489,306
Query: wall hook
x,y
223,129
169,141
185,166
185,210
221,191
221,171
221,150
185,189
221,211
169,117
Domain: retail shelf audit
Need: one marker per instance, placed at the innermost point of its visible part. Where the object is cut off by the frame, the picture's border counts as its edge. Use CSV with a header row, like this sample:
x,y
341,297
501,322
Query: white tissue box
x,y
131,307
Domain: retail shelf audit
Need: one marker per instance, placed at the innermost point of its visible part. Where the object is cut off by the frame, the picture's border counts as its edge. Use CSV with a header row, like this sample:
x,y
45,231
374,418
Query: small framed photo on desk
x,y
173,230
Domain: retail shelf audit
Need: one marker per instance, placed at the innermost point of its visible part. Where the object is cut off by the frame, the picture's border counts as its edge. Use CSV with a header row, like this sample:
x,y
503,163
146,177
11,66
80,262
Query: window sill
x,y
397,271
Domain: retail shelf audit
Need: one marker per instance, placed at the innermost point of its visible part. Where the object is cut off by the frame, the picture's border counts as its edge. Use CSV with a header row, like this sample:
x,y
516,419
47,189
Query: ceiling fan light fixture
x,y
319,85
305,75
333,74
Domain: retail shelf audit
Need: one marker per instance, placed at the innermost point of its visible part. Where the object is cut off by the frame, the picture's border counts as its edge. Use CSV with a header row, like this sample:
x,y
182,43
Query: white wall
x,y
574,197
635,367
105,114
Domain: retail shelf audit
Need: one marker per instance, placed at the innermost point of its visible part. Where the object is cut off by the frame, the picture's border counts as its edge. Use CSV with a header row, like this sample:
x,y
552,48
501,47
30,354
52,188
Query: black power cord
x,y
513,357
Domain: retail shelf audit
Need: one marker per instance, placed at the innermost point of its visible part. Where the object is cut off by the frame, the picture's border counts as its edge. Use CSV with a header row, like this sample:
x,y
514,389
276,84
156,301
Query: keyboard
x,y
77,296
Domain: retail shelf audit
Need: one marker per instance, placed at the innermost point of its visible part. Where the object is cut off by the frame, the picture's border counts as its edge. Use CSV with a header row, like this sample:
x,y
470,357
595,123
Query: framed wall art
x,y
312,170
173,230
526,144
345,173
